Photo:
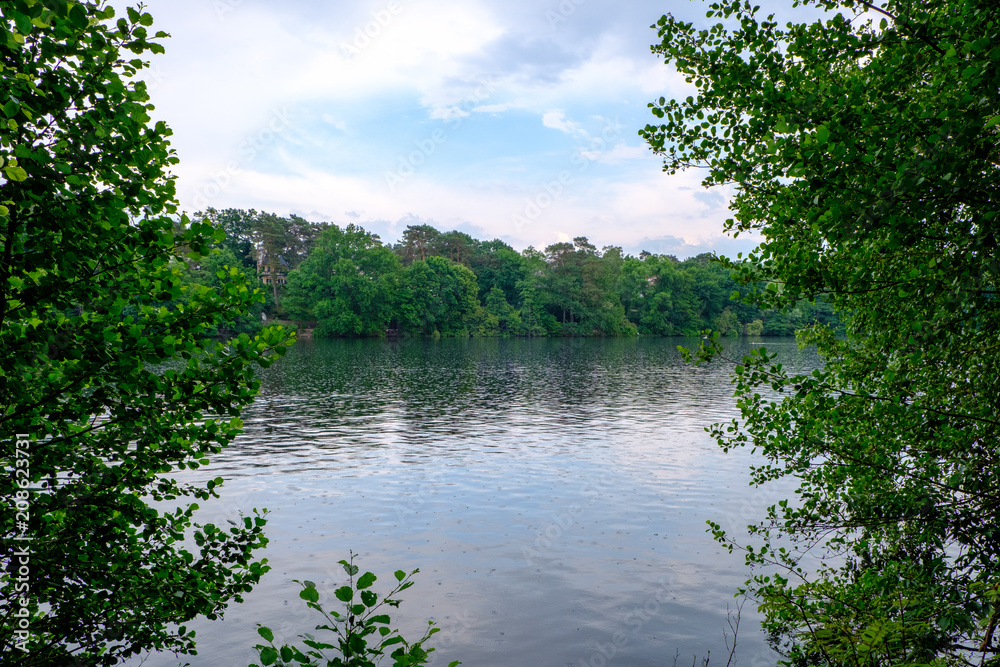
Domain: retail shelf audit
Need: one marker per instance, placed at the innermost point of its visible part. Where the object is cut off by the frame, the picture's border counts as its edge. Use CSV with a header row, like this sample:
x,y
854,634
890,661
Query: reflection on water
x,y
553,494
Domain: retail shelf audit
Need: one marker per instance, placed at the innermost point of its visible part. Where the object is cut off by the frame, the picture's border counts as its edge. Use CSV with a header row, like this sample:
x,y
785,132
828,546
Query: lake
x,y
553,494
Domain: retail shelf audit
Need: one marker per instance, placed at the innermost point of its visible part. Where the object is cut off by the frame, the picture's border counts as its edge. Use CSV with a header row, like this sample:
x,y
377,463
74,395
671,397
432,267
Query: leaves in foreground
x,y
361,633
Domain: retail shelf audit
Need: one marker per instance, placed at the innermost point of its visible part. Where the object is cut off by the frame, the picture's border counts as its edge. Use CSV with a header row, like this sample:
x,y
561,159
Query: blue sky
x,y
515,120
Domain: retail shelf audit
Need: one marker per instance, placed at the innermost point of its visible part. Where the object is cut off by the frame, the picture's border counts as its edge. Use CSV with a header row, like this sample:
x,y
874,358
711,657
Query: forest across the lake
x,y
347,283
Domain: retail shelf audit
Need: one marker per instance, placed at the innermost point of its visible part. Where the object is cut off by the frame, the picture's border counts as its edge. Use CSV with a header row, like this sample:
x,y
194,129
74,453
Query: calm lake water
x,y
553,494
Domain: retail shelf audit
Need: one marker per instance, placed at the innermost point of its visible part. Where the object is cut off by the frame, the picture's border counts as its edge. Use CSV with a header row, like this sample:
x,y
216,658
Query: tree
x,y
302,238
217,270
502,319
107,380
564,283
457,246
271,237
533,315
496,264
865,150
418,243
348,284
238,226
439,297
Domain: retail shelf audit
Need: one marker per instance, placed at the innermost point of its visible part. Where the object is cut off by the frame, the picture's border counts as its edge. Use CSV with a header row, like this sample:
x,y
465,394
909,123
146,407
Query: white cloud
x,y
557,121
330,120
222,79
617,155
447,113
491,108
618,210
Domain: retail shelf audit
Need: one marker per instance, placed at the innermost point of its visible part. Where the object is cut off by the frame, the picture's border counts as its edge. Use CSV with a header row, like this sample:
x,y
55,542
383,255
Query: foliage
x,y
362,621
348,284
501,318
865,151
496,264
104,362
265,244
239,229
440,296
217,269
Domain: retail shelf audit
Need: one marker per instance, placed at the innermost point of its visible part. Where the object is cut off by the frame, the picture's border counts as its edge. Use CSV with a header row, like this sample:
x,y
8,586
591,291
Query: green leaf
x,y
11,107
78,17
369,598
266,633
366,580
268,655
310,594
16,174
344,593
23,23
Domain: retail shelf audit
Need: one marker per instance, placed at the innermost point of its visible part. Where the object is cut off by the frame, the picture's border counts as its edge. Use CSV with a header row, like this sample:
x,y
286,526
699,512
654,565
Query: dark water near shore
x,y
553,494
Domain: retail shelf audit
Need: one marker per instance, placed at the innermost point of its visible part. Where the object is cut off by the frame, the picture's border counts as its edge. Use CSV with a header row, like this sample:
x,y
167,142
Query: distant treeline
x,y
436,283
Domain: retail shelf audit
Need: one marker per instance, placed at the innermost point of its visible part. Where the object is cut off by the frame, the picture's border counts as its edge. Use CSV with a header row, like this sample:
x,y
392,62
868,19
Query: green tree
x,y
634,287
457,246
707,287
529,294
439,297
348,284
271,238
668,306
216,270
418,243
502,318
107,380
496,264
866,151
302,238
562,282
726,323
238,226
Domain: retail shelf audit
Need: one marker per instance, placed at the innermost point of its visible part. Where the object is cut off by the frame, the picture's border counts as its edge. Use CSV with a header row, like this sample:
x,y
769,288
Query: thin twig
x,y
735,627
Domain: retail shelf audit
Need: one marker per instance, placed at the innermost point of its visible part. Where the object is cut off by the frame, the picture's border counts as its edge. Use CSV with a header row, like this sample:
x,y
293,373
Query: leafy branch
x,y
362,632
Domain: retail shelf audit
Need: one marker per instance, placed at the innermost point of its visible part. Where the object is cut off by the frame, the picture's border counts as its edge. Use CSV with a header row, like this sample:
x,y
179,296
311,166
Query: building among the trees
x,y
272,272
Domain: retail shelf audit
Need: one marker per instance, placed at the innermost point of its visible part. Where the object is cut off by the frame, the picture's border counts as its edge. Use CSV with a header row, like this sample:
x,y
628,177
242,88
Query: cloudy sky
x,y
510,119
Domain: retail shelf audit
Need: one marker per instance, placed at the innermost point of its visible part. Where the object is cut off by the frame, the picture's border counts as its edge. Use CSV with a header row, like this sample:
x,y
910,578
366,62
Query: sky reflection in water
x,y
553,494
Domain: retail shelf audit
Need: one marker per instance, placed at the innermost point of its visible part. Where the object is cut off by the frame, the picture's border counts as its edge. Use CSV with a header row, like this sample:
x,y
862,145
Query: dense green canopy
x,y
108,380
866,149
449,284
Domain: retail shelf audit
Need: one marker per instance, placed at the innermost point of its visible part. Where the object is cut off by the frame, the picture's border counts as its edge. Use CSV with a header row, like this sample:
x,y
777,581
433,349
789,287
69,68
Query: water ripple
x,y
552,492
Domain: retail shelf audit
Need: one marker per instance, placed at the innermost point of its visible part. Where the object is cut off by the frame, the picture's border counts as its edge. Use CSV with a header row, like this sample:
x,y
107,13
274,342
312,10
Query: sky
x,y
509,119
